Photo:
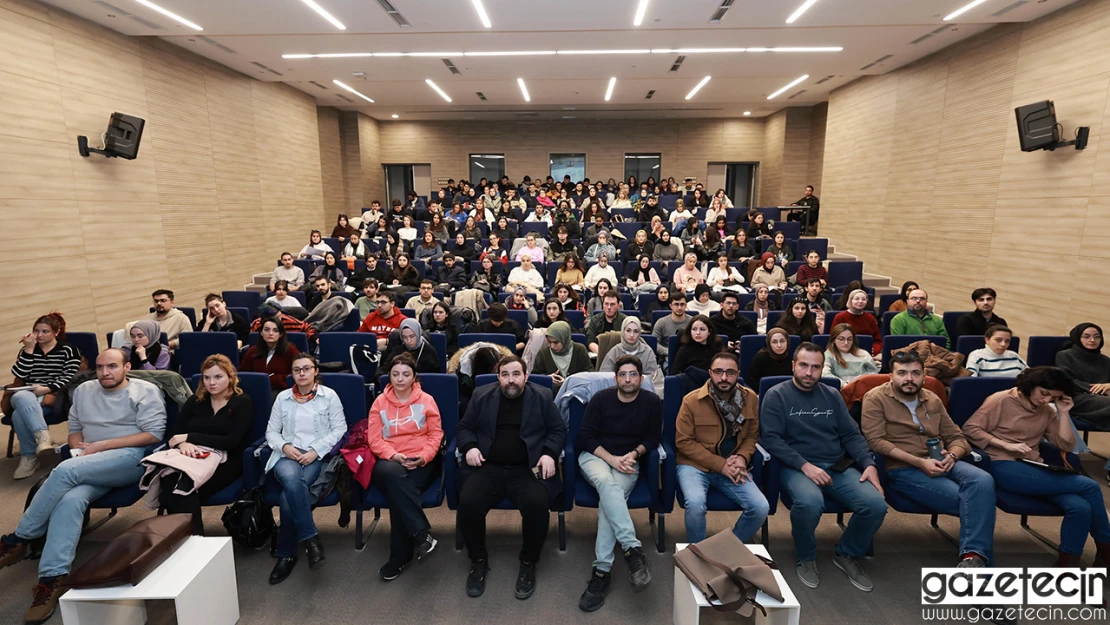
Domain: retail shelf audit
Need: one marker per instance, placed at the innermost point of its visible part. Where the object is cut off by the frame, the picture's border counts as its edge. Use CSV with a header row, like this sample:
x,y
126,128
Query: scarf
x,y
626,348
761,308
778,358
560,331
414,325
730,408
153,333
1074,342
309,396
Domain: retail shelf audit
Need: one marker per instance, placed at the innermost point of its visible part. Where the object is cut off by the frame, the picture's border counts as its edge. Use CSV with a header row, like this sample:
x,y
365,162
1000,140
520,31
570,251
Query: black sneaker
x,y
525,580
601,582
425,543
390,571
639,571
476,580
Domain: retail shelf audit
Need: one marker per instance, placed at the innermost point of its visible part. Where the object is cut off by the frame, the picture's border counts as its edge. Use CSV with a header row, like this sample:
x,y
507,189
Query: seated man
x,y
425,299
451,276
715,435
373,270
497,322
608,320
976,322
671,325
806,426
511,437
898,420
320,293
730,322
369,299
383,319
171,320
620,425
110,422
287,271
918,319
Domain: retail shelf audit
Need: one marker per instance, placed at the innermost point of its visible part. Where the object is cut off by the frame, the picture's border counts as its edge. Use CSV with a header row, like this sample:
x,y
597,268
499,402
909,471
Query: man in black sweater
x,y
621,426
730,322
511,437
499,323
975,323
451,276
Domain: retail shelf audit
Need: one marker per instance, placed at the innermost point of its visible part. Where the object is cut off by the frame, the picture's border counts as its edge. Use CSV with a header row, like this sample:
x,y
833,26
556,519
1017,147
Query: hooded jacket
x,y
412,428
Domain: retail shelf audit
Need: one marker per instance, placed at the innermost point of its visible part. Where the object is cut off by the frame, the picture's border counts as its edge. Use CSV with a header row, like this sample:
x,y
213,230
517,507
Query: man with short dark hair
x,y
451,276
321,292
671,325
806,427
287,271
424,299
814,204
383,320
621,425
497,322
917,319
374,270
730,322
975,323
171,320
899,419
369,299
510,438
814,297
651,208
608,320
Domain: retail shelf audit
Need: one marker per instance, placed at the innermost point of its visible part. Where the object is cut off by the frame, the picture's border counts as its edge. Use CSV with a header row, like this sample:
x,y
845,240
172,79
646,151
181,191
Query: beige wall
x,y
331,163
228,174
925,179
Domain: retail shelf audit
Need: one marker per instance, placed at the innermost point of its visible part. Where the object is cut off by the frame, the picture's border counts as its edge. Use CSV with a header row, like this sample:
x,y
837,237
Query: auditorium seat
x,y
194,347
1042,350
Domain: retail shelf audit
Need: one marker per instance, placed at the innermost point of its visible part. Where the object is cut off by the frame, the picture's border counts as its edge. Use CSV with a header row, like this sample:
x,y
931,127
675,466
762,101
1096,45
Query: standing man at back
x,y
806,427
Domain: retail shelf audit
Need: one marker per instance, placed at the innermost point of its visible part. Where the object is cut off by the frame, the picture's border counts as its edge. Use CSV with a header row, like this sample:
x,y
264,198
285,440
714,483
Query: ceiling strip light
x,y
352,90
172,16
793,83
324,14
802,9
609,91
513,53
699,86
438,90
964,9
340,55
523,90
639,51
640,10
482,13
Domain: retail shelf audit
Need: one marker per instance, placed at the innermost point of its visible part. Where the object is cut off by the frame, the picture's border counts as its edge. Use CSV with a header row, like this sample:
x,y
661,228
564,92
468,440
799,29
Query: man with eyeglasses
x,y
171,320
715,435
898,420
383,320
807,428
620,426
917,319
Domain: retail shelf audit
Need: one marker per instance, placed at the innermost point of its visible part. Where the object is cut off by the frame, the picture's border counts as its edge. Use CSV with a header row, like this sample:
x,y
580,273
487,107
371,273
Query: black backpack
x,y
250,520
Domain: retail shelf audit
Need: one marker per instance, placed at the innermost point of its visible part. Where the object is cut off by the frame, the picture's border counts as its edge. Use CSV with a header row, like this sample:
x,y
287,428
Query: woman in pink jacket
x,y
406,436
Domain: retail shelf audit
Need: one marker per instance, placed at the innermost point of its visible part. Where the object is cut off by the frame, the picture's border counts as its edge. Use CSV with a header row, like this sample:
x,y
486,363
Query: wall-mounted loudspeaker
x,y
121,139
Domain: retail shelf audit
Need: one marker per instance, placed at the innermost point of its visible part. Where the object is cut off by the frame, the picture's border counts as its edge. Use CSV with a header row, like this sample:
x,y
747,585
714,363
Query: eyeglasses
x,y
728,373
843,339
303,369
628,374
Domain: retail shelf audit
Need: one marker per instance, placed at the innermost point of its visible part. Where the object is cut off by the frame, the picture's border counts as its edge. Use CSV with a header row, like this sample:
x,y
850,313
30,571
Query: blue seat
x,y
772,316
817,244
577,319
886,300
245,313
336,346
884,324
967,344
628,229
469,338
1042,350
350,324
439,342
194,347
86,343
538,227
297,339
444,389
899,341
841,272
645,494
250,300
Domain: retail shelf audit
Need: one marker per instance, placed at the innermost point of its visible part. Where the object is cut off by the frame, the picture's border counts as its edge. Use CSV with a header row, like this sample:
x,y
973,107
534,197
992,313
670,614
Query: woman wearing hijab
x,y
463,251
697,346
632,345
703,302
330,270
146,352
774,359
861,319
899,304
761,305
769,272
562,357
520,301
408,340
1089,369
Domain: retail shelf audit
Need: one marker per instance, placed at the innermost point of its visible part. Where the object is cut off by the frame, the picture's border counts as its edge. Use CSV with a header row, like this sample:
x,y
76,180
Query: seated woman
x,y
438,226
407,231
305,423
562,357
602,287
662,300
273,354
741,249
655,231
812,270
769,272
691,236
146,351
570,273
1009,427
639,247
330,270
758,226
899,304
463,251
621,200
443,321
631,344
316,248
504,229
530,249
696,347
405,434
601,271
470,229
761,306
457,214
716,210
724,277
429,249
281,297
842,303
642,278
217,417
45,363
680,216
355,249
710,247
603,246
719,226
799,320
773,359
688,276
861,319
394,245
552,312
783,252
342,229
218,318
1082,359
520,301
844,359
405,277
995,360
494,250
488,278
567,297
408,339
525,276
667,249
703,303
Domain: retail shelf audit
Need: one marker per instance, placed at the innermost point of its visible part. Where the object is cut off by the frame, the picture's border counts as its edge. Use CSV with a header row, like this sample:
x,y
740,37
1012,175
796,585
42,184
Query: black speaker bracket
x,y
84,150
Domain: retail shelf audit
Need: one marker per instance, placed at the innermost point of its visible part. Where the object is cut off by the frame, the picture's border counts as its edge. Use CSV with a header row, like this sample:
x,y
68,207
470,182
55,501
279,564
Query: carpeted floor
x,y
348,590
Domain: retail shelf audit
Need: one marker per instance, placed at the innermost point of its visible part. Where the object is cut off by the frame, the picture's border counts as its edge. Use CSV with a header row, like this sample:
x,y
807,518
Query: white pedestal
x,y
199,577
689,601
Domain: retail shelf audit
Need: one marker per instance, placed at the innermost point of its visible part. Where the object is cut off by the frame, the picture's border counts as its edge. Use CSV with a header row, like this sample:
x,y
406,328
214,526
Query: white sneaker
x,y
43,443
28,465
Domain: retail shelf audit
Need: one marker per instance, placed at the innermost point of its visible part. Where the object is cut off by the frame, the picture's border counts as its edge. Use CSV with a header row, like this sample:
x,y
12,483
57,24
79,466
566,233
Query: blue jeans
x,y
967,491
296,520
27,419
60,504
1079,496
614,524
695,486
866,504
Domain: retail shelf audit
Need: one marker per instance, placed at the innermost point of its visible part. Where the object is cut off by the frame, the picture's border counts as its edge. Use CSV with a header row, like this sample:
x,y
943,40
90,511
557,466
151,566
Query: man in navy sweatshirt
x,y
806,426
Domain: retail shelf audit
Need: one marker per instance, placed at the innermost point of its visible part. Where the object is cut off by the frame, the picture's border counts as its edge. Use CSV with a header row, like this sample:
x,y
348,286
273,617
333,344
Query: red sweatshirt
x,y
862,324
381,326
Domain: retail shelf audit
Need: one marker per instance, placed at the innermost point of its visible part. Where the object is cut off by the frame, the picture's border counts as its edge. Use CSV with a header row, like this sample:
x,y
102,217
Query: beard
x,y
511,391
805,383
909,388
725,387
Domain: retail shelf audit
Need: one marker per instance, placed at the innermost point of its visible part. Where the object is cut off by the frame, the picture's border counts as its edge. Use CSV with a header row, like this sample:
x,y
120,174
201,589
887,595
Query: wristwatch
x,y
954,458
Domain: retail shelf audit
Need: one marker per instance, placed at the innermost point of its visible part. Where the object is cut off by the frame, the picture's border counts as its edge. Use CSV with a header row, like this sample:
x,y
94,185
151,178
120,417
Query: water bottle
x,y
934,449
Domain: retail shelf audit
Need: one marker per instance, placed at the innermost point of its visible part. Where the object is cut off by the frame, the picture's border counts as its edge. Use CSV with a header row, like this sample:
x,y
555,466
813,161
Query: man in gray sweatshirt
x,y
672,324
111,420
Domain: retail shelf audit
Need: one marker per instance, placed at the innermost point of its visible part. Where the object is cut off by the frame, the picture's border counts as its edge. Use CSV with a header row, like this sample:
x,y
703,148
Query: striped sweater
x,y
53,369
984,363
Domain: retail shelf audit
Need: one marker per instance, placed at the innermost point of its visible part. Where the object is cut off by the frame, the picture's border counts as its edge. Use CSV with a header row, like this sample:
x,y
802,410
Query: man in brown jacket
x,y
898,420
715,435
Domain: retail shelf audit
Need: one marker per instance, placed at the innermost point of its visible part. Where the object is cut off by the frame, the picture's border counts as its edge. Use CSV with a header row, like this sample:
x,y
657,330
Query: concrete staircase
x,y
260,284
882,284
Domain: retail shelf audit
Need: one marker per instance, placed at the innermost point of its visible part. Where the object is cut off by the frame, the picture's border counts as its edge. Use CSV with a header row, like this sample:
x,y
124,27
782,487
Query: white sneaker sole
x,y
806,581
854,582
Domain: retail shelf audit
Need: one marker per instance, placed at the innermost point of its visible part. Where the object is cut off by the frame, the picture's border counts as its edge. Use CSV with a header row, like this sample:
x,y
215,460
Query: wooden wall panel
x,y
816,164
795,154
770,169
370,149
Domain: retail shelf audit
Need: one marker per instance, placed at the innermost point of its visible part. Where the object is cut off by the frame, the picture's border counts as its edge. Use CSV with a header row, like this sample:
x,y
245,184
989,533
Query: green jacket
x,y
906,322
596,325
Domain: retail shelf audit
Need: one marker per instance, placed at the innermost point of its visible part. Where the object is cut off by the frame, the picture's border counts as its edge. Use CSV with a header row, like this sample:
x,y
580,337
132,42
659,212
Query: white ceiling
x,y
252,35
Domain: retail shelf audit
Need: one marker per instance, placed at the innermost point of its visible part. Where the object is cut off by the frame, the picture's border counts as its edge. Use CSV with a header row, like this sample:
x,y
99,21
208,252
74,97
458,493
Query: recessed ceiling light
x,y
394,116
609,91
172,16
793,83
352,90
746,113
324,14
802,9
640,10
698,87
523,90
438,90
964,9
482,13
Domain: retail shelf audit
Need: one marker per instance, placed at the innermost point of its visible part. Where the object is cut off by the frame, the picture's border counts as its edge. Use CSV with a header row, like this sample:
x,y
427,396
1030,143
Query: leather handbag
x,y
725,570
249,520
132,555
